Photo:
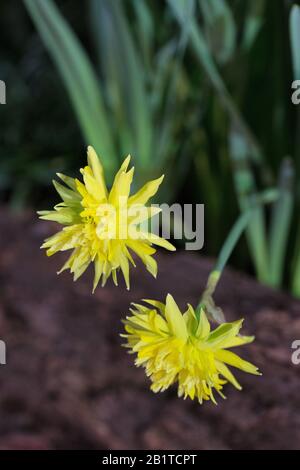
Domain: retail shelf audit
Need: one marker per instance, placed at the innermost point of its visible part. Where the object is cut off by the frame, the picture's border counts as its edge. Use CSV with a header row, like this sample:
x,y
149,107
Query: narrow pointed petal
x,y
97,169
67,180
115,276
237,341
67,195
98,267
203,329
155,303
146,192
190,319
223,369
138,213
80,270
151,265
60,217
144,252
125,269
175,319
152,238
223,333
93,187
121,188
234,360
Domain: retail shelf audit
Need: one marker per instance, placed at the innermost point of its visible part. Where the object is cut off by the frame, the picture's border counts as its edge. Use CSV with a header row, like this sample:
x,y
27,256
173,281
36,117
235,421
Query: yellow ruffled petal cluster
x,y
181,348
102,227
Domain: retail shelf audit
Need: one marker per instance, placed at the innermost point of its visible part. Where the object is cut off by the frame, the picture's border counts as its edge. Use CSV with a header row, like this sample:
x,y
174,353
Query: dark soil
x,y
69,384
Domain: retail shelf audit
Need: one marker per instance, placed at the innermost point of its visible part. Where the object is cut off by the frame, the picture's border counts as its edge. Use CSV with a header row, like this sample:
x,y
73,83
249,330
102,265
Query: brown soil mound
x,y
69,384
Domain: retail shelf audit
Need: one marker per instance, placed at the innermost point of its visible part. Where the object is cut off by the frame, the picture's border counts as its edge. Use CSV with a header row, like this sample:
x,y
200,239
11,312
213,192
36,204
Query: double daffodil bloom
x,y
102,227
181,348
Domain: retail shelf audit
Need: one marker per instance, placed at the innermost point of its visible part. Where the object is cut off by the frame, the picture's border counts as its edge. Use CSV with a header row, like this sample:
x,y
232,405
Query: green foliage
x,y
251,169
78,75
121,109
199,90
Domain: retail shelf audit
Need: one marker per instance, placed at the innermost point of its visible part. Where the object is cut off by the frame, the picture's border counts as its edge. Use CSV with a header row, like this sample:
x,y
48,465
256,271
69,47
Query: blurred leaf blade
x,y
146,29
296,271
125,73
202,51
253,22
78,76
295,39
163,137
281,222
220,28
246,191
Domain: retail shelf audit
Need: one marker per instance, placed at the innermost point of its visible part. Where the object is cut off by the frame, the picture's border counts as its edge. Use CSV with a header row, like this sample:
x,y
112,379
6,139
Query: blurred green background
x,y
197,89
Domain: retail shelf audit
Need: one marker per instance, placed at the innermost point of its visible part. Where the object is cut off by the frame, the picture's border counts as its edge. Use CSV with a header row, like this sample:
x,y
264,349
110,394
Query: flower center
x,y
111,222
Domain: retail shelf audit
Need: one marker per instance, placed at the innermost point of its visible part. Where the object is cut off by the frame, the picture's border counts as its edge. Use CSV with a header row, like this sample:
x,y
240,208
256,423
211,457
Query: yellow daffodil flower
x,y
181,348
102,227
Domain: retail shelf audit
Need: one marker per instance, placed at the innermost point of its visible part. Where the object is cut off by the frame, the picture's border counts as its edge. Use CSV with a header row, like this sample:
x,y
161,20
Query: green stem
x,y
296,269
232,239
296,279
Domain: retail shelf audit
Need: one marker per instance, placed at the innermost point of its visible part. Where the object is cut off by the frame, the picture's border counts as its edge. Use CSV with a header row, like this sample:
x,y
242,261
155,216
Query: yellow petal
x,y
138,213
122,169
67,180
159,305
124,165
190,319
97,191
146,192
144,252
64,216
204,326
115,276
151,237
81,260
223,369
124,265
128,255
97,169
120,190
64,240
80,270
98,266
106,272
237,341
68,264
68,195
140,248
175,319
234,360
223,333
151,265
